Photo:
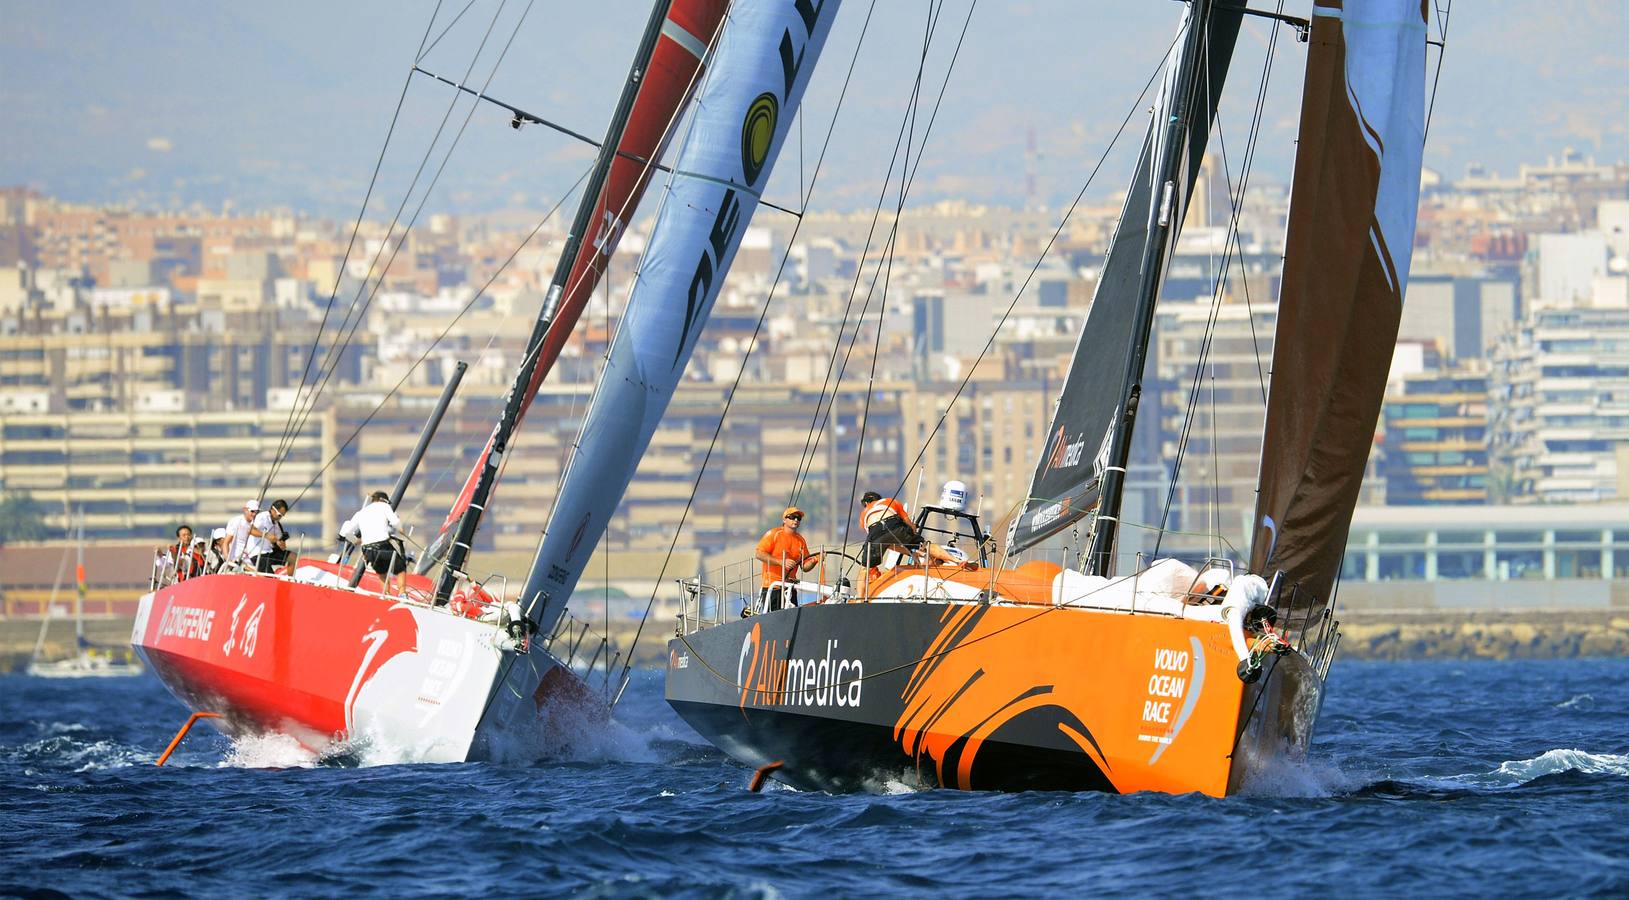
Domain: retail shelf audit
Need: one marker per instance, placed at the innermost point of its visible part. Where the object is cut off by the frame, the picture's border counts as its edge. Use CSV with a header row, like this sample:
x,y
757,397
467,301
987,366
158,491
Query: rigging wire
x,y
357,313
444,332
1040,258
1230,243
425,51
1257,116
819,419
285,442
298,413
729,398
1444,10
891,247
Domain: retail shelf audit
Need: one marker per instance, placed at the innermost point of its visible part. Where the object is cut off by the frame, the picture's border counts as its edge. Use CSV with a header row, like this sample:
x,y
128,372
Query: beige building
x,y
138,475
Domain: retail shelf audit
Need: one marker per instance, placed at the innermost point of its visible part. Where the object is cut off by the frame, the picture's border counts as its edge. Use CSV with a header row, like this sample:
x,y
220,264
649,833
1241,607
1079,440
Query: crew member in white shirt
x,y
268,543
240,529
376,527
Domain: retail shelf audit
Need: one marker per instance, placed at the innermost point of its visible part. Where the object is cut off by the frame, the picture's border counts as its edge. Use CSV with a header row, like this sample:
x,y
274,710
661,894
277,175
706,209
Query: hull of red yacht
x,y
987,696
336,668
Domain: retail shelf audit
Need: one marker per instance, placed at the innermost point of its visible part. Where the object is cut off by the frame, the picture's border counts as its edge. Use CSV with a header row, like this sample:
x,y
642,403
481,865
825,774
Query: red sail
x,y
1351,233
670,80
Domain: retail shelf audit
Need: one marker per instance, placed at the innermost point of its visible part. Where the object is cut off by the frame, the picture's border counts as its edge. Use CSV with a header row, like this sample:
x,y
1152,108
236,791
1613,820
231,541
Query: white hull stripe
x,y
684,39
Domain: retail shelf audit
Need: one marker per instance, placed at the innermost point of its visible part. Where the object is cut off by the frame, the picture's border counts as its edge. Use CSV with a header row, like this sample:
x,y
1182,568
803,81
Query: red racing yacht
x,y
446,670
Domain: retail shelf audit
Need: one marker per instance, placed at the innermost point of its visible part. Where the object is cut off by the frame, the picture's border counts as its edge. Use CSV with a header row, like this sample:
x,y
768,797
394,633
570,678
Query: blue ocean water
x,y
1457,778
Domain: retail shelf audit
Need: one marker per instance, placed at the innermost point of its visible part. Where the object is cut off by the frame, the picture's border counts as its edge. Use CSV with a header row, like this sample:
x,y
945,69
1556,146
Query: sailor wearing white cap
x,y
238,530
219,543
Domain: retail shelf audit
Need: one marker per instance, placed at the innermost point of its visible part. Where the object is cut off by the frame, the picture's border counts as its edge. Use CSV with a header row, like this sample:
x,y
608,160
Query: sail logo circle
x,y
757,133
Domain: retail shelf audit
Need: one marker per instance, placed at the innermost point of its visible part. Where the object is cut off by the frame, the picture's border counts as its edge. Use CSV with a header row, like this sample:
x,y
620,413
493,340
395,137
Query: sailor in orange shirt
x,y
783,551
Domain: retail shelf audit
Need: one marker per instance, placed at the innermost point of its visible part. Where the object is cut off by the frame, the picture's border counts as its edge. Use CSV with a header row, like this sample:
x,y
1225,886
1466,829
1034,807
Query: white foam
x,y
268,751
1515,773
1551,762
1306,777
63,745
108,755
893,787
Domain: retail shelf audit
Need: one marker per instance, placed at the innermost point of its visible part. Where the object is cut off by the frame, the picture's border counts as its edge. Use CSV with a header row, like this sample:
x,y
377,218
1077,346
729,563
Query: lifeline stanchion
x,y
176,742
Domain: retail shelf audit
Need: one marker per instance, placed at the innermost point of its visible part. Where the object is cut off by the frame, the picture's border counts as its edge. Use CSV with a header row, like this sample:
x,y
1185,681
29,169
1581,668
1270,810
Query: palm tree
x,y
21,518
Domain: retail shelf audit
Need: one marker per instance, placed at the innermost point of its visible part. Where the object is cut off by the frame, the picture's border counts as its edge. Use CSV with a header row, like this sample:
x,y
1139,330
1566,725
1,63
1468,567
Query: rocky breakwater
x,y
1482,634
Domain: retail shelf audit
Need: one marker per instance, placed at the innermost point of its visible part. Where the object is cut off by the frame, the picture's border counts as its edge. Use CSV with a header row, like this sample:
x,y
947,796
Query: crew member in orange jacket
x,y
783,551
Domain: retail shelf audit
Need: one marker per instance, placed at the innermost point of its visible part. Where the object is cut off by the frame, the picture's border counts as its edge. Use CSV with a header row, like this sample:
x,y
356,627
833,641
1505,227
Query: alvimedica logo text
x,y
770,676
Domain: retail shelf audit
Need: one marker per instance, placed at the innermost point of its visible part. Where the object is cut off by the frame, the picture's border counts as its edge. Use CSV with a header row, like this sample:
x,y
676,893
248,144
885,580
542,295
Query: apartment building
x,y
1434,448
1560,407
137,475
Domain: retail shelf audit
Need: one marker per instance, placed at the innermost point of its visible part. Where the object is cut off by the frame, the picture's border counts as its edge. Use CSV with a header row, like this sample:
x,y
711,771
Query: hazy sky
x,y
287,104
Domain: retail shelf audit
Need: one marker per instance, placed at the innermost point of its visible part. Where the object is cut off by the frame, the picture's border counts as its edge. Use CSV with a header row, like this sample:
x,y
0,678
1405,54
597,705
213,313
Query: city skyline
x,y
288,108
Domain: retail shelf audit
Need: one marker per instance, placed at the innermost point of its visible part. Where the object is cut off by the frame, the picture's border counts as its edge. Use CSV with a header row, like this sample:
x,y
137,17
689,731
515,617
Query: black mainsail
x,y
1082,465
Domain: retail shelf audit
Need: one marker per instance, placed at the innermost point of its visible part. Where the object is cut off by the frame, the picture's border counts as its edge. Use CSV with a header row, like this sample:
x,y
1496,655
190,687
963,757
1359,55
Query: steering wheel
x,y
843,555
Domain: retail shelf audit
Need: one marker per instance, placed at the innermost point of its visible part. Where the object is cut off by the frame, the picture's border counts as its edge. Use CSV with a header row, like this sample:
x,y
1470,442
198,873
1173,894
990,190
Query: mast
x,y
1156,250
1082,466
609,196
417,456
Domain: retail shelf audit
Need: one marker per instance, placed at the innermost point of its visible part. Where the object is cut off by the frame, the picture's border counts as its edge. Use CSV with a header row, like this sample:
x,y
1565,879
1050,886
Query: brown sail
x,y
1351,233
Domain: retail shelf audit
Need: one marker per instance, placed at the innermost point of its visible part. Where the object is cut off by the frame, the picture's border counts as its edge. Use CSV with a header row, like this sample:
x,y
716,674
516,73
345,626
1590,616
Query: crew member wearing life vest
x,y
182,559
888,527
783,552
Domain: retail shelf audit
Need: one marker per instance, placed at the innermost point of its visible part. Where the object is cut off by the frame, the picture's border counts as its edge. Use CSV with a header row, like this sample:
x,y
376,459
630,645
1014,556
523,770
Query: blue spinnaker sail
x,y
747,102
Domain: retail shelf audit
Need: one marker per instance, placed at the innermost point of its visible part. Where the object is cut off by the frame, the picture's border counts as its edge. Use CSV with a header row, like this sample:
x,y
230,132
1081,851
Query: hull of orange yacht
x,y
336,668
989,696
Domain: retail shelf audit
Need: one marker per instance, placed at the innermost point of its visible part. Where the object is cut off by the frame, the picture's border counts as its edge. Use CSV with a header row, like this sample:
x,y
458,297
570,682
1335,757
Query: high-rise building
x,y
1559,406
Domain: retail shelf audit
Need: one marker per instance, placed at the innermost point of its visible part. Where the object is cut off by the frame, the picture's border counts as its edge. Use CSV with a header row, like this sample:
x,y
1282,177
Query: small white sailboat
x,y
88,660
